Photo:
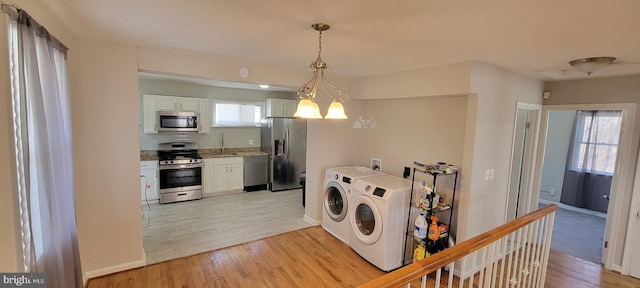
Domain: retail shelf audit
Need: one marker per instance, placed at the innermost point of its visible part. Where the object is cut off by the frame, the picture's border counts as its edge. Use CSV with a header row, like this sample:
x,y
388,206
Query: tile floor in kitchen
x,y
180,229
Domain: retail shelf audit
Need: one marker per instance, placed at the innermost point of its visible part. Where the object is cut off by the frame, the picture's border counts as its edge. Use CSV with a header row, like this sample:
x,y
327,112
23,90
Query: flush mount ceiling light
x,y
590,65
307,106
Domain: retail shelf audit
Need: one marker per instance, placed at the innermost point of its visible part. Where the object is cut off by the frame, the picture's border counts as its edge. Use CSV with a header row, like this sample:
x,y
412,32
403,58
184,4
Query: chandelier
x,y
307,106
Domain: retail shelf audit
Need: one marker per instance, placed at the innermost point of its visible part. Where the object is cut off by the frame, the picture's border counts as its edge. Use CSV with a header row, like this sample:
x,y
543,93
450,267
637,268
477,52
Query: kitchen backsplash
x,y
234,137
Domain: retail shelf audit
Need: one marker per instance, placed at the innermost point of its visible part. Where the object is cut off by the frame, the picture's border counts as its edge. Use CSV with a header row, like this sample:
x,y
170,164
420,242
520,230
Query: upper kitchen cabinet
x,y
172,103
205,116
281,108
149,111
154,103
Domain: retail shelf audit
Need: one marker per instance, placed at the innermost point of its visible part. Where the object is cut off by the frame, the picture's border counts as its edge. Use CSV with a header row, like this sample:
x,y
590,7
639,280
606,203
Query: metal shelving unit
x,y
412,242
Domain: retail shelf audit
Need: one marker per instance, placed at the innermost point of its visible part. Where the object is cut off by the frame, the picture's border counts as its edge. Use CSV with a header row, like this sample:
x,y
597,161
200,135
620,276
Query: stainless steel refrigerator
x,y
285,139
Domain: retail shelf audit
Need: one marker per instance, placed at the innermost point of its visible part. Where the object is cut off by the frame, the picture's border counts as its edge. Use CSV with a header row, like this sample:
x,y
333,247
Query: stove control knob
x,y
171,161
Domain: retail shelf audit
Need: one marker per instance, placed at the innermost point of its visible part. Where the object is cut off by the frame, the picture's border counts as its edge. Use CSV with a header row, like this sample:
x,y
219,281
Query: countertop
x,y
152,155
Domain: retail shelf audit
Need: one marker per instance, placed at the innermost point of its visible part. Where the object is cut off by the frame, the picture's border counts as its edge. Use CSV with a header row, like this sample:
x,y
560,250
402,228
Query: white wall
x,y
453,79
498,92
104,99
426,129
555,153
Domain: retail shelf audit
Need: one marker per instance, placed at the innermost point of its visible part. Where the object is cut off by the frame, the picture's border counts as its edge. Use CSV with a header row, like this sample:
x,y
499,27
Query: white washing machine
x,y
337,191
378,214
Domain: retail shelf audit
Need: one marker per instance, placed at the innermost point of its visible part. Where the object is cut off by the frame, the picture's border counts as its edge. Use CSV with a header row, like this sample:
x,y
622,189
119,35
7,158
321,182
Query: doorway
x,y
579,164
611,236
525,137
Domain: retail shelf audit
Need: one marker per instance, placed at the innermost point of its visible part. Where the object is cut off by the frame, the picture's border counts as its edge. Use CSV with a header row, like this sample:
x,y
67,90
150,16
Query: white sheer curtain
x,y
42,130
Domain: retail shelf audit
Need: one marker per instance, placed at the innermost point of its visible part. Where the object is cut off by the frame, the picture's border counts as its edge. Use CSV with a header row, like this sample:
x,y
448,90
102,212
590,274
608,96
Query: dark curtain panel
x,y
591,159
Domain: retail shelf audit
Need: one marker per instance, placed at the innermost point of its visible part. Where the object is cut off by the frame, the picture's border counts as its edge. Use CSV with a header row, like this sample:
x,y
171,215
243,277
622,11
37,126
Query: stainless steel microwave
x,y
178,121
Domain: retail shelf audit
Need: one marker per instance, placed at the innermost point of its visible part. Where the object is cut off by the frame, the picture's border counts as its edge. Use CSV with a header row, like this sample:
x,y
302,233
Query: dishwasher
x,y
256,172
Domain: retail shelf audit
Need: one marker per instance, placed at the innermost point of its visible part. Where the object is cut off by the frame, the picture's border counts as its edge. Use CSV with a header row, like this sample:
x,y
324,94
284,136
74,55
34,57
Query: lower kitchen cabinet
x,y
149,190
208,177
228,174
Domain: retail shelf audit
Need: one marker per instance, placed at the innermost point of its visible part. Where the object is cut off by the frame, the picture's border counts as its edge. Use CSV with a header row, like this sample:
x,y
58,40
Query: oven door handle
x,y
181,166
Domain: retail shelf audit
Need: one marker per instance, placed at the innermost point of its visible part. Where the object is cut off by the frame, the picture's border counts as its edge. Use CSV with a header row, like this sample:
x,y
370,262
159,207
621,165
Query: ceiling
x,y
532,37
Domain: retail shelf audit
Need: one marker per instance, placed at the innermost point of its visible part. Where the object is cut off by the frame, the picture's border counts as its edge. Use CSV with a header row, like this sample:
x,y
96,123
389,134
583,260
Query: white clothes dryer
x,y
337,191
378,217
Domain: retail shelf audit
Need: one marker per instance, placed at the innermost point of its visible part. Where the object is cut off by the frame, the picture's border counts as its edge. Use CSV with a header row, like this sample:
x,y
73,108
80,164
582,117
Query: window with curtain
x,y
591,159
229,113
596,138
43,150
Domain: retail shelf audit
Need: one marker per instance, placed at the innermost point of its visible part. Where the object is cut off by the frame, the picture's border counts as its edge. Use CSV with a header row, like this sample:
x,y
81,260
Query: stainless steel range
x,y
180,169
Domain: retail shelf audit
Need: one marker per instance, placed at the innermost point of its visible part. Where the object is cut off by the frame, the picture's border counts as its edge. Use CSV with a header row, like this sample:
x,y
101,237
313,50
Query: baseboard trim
x,y
113,269
311,221
617,268
575,209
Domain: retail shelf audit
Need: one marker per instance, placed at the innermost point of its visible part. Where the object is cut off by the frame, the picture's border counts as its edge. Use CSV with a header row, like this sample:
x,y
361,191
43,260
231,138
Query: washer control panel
x,y
379,192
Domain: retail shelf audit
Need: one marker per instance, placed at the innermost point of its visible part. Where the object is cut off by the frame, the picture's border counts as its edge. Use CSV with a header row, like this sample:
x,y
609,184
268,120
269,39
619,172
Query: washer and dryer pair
x,y
338,182
373,219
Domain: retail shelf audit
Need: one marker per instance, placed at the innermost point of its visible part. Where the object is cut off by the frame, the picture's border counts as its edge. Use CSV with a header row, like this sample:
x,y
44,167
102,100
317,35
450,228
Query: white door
x,y
189,104
166,103
208,176
519,198
634,227
236,181
221,181
634,268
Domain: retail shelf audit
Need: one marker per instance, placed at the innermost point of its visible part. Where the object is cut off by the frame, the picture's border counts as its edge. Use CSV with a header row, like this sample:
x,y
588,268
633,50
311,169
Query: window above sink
x,y
237,113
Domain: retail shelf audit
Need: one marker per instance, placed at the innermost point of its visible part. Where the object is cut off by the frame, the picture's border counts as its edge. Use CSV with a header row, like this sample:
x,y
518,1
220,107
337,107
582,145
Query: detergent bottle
x,y
420,230
434,231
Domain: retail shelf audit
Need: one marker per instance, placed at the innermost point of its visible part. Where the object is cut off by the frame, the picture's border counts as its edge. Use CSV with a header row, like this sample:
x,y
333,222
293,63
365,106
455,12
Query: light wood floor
x,y
313,258
181,229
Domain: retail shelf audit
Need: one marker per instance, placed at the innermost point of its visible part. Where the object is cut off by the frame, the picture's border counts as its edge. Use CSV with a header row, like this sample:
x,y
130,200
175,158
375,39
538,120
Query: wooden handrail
x,y
425,266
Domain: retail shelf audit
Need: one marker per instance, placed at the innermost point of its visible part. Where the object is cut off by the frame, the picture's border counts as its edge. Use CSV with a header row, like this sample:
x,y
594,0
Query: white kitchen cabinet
x,y
228,174
208,177
149,114
153,103
205,116
149,190
173,103
189,104
281,108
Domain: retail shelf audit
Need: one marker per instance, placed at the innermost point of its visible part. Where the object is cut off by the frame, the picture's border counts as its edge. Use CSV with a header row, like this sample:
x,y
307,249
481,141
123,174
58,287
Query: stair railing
x,y
512,255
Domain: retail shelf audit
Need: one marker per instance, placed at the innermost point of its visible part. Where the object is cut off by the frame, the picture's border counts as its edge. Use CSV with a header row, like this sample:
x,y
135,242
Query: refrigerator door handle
x,y
287,139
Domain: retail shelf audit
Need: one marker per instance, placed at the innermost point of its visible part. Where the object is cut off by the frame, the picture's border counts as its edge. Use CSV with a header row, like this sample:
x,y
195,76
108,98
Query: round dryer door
x,y
335,201
366,220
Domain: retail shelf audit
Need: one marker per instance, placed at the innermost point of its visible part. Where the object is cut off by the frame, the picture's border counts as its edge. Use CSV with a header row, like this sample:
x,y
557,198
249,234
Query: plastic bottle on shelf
x,y
420,230
420,252
434,231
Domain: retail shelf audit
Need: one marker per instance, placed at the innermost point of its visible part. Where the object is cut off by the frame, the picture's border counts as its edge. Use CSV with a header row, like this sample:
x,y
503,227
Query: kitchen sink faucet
x,y
222,144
